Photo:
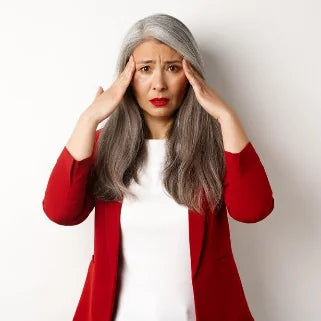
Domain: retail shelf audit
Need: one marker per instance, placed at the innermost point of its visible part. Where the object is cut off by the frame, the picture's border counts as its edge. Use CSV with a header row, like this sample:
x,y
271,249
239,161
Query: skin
x,y
159,79
233,133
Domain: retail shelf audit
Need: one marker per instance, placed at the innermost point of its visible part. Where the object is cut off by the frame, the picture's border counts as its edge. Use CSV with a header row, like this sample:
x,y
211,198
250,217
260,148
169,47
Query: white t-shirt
x,y
155,274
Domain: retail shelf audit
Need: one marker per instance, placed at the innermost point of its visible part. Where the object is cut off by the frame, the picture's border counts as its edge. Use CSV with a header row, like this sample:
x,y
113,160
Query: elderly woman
x,y
170,161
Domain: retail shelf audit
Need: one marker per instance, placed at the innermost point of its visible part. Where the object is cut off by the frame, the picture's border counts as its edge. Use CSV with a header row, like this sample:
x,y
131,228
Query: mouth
x,y
158,102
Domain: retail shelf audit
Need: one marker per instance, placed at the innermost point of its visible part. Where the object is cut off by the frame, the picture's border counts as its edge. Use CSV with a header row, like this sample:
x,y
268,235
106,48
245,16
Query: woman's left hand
x,y
205,95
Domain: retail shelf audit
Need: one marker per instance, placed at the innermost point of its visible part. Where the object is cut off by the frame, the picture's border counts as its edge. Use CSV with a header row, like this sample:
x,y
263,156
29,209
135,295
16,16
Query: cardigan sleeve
x,y
247,192
67,200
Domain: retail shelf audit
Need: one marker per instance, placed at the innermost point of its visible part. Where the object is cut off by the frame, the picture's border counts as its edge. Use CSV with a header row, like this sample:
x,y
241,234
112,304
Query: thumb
x,y
99,91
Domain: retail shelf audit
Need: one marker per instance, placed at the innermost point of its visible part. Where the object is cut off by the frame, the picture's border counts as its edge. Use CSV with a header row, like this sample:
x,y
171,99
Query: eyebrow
x,y
153,61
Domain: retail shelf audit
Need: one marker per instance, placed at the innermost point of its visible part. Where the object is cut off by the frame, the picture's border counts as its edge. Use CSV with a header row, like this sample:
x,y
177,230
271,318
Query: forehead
x,y
153,50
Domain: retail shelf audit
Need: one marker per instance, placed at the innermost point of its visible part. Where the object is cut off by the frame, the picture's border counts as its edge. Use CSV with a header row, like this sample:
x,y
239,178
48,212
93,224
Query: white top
x,y
155,274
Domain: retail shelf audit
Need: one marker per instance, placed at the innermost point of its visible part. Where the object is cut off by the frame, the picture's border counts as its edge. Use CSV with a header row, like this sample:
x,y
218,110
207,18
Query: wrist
x,y
89,118
226,115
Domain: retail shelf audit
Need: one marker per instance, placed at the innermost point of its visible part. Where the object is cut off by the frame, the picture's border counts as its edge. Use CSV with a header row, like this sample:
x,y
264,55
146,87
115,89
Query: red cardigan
x,y
217,288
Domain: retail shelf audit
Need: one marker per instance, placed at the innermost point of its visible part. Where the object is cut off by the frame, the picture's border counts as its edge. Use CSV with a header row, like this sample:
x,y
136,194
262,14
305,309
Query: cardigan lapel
x,y
196,222
196,235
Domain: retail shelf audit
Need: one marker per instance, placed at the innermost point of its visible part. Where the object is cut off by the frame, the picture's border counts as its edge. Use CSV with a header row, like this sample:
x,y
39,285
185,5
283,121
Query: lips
x,y
160,100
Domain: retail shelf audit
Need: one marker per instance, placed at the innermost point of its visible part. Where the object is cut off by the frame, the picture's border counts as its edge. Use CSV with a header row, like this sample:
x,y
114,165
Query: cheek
x,y
183,79
139,84
140,78
180,85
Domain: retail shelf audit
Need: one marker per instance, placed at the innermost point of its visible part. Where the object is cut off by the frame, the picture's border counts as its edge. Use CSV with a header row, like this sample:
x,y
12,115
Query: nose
x,y
159,81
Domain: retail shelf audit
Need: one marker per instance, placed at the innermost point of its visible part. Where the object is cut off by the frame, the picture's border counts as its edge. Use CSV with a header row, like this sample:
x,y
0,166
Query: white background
x,y
263,57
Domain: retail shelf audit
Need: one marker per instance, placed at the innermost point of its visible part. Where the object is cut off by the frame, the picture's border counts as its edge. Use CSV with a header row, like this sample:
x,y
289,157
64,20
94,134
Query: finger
x,y
128,67
188,71
189,74
193,77
192,70
131,65
127,73
99,91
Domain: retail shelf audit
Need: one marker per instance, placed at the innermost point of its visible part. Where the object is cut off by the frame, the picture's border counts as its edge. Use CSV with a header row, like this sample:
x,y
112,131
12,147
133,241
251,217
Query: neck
x,y
158,127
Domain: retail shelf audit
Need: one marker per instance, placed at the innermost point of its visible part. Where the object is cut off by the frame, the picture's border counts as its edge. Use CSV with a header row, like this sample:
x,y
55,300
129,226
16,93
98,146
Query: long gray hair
x,y
194,166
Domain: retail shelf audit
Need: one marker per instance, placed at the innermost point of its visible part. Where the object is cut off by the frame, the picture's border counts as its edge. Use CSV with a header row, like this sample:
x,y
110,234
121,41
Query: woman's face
x,y
161,76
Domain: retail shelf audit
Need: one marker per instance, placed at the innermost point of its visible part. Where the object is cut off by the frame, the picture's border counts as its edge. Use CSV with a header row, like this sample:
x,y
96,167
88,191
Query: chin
x,y
159,111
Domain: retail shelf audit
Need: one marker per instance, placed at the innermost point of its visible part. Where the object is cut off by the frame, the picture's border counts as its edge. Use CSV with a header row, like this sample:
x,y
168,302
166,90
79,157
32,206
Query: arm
x,y
67,200
247,192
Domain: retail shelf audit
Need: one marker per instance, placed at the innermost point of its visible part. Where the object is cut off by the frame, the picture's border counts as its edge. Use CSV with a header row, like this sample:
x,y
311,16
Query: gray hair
x,y
195,166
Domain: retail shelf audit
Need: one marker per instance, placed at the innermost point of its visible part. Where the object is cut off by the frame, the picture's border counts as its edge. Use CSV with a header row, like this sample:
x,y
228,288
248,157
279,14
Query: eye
x,y
143,68
175,68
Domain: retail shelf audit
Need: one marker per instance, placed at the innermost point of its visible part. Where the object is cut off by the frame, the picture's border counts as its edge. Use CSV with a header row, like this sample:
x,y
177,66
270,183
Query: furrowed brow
x,y
153,61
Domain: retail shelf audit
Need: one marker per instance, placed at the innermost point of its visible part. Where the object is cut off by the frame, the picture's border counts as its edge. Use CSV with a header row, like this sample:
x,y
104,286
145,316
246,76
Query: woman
x,y
171,167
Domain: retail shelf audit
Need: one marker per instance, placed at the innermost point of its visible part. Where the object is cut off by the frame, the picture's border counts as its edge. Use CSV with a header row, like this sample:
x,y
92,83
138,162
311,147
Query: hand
x,y
205,95
105,102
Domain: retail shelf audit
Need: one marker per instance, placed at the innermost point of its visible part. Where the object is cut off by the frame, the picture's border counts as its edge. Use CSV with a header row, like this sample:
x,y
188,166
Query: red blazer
x,y
218,291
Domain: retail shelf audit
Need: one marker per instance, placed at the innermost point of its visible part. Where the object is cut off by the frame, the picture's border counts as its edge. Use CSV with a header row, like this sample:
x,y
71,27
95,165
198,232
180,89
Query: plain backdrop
x,y
263,57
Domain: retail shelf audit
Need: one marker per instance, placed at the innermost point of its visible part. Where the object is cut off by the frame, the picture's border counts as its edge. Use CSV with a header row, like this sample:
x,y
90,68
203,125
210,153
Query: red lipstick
x,y
159,101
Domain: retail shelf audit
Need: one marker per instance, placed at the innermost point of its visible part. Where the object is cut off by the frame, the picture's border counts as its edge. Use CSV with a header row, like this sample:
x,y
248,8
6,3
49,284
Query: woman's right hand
x,y
105,102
